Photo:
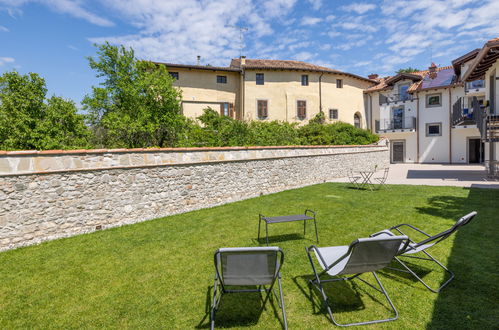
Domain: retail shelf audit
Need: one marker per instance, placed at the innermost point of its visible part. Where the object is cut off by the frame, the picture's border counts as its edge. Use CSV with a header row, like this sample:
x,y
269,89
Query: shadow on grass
x,y
280,238
397,273
471,299
238,309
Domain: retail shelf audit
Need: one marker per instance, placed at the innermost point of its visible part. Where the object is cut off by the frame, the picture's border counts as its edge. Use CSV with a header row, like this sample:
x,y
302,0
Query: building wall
x,y
460,138
70,193
200,90
410,144
489,72
282,90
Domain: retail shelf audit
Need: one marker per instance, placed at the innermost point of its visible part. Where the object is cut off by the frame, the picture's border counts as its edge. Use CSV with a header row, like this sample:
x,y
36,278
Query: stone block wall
x,y
82,191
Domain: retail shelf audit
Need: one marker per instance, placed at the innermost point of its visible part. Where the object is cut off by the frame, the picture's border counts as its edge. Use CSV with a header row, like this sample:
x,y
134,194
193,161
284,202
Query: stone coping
x,y
190,149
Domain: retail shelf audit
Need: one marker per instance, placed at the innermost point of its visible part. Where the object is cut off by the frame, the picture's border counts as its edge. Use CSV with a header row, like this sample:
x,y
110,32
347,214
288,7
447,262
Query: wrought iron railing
x,y
393,124
460,113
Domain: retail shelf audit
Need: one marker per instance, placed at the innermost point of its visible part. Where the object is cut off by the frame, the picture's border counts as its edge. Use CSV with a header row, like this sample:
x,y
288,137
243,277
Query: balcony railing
x,y
396,124
460,113
475,85
393,98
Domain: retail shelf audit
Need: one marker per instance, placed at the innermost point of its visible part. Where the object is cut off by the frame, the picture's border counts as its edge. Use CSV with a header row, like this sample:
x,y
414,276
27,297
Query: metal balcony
x,y
405,124
394,98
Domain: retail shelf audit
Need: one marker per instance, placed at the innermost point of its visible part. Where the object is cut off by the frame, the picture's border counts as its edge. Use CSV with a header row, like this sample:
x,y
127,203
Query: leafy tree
x,y
29,121
136,105
407,70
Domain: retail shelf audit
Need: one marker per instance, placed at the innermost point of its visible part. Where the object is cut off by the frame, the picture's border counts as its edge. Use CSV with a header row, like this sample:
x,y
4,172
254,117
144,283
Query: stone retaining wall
x,y
48,195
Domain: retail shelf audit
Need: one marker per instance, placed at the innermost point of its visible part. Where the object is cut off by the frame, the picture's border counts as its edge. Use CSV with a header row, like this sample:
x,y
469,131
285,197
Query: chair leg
x,y
215,304
380,289
285,322
421,280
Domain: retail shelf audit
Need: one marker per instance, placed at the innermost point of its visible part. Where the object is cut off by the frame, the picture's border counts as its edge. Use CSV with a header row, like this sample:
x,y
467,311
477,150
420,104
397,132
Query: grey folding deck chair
x,y
248,266
361,256
422,246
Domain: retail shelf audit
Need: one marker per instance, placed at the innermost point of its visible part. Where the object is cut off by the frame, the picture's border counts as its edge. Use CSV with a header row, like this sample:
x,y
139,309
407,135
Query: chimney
x,y
433,70
243,60
199,59
372,76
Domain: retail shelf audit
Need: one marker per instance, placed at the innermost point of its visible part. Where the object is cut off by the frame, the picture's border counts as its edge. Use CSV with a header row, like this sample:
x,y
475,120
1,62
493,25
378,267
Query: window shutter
x,y
231,110
221,109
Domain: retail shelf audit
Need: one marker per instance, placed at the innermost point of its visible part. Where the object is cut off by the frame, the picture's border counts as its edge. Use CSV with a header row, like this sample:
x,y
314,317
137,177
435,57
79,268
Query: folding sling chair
x,y
361,256
355,179
382,180
248,266
422,246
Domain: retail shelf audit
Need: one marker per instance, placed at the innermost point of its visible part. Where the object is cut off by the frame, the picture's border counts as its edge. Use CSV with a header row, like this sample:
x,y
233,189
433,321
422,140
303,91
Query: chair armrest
x,y
381,232
410,226
307,210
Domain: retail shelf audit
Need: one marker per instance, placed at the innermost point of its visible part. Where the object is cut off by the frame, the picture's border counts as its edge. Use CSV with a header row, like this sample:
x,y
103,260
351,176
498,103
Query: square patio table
x,y
288,218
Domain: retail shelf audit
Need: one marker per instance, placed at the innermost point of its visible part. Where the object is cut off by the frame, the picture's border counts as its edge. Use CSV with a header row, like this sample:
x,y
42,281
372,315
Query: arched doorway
x,y
357,120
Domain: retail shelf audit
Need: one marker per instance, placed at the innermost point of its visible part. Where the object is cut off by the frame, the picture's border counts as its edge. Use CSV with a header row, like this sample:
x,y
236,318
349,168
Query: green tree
x,y
136,105
29,121
407,70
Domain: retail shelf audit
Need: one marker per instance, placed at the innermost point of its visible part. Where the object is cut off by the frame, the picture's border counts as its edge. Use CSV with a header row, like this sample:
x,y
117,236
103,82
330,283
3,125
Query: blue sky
x,y
54,37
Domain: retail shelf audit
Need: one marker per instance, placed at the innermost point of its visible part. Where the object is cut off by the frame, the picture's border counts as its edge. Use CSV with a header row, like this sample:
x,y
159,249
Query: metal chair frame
x,y
270,292
317,282
431,239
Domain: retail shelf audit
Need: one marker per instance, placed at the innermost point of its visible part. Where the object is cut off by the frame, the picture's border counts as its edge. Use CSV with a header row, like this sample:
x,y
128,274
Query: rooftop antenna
x,y
241,29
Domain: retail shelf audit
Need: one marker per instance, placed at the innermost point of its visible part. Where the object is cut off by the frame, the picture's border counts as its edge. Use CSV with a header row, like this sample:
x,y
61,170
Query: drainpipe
x,y
371,113
320,92
450,125
417,127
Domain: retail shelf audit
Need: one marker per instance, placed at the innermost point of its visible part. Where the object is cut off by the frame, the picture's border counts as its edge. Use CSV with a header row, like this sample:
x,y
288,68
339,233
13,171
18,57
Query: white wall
x,y
460,138
410,144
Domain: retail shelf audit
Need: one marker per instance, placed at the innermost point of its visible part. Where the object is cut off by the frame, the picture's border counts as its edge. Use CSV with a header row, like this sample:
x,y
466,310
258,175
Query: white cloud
x,y
362,63
316,4
304,56
73,48
5,60
359,7
3,29
330,18
73,8
299,45
309,21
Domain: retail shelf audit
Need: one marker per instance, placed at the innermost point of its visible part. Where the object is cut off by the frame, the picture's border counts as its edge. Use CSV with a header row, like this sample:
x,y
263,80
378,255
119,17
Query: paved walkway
x,y
438,175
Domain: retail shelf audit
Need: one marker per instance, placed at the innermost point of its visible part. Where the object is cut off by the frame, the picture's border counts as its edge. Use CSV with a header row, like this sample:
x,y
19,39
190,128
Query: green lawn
x,y
159,274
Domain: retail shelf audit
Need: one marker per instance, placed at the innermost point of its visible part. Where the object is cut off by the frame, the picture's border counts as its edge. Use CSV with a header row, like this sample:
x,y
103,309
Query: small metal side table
x,y
307,215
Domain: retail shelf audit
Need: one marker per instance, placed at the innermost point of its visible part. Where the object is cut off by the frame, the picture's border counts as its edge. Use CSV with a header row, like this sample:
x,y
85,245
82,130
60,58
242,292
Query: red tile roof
x,y
264,64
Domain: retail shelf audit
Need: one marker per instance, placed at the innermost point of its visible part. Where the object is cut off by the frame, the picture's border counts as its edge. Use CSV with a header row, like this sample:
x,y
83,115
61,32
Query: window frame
x,y
427,131
298,109
428,105
266,109
260,81
304,80
333,117
175,75
339,83
221,79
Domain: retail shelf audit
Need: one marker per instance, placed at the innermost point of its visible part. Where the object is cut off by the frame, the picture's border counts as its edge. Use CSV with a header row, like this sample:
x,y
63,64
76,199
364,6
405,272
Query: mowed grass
x,y
159,273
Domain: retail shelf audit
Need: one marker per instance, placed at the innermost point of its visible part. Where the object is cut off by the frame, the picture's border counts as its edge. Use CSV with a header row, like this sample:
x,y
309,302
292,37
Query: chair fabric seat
x,y
330,255
387,233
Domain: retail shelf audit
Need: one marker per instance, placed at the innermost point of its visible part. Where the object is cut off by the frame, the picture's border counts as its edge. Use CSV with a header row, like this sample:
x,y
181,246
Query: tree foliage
x,y
214,130
29,121
136,105
407,70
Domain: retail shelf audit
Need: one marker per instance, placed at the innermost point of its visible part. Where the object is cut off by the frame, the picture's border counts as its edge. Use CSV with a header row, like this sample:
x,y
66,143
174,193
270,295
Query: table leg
x,y
316,233
304,227
267,232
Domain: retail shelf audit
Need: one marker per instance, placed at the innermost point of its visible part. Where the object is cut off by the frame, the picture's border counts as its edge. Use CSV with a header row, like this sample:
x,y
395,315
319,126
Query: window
x,y
434,100
356,120
434,129
403,95
262,109
174,75
221,79
304,80
333,113
301,109
227,109
339,83
260,79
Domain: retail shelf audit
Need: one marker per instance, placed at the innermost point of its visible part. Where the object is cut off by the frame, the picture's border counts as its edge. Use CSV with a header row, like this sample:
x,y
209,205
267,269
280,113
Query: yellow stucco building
x,y
253,89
